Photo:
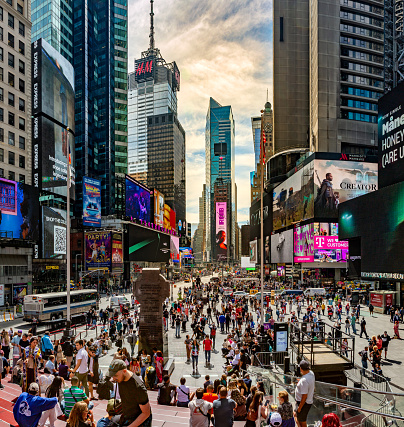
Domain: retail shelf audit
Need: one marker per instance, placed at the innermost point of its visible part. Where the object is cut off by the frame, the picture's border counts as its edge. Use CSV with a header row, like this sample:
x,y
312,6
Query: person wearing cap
x,y
275,420
106,421
29,406
136,409
304,393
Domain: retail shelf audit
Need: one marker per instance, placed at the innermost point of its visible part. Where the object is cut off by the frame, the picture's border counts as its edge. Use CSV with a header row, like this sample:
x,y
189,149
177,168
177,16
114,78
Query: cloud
x,y
223,50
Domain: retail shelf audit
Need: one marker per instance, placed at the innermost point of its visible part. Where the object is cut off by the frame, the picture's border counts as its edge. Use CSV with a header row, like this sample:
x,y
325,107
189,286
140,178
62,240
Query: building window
x,y
1,115
11,40
11,176
11,99
1,33
11,158
21,85
1,94
10,20
21,123
21,104
1,155
21,162
1,54
20,9
21,142
22,178
21,47
1,74
11,119
1,13
11,138
11,79
21,66
1,135
21,29
1,173
10,2
11,60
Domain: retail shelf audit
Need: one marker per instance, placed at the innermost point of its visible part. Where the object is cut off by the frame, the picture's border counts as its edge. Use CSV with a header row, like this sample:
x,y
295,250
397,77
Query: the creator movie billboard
x,y
391,137
221,229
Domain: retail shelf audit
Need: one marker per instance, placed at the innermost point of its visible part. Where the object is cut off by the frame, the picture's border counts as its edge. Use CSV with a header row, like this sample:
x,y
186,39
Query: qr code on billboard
x,y
59,240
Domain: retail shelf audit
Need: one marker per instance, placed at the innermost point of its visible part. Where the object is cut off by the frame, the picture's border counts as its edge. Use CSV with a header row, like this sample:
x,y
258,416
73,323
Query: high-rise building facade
x,y
220,179
199,239
52,20
15,91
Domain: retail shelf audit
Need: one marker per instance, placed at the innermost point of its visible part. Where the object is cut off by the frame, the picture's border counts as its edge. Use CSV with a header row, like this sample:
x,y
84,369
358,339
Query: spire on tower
x,y
151,36
267,94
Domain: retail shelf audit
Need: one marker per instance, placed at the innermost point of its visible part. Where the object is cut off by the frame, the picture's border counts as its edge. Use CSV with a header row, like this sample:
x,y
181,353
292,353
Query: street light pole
x,y
77,255
262,317
68,261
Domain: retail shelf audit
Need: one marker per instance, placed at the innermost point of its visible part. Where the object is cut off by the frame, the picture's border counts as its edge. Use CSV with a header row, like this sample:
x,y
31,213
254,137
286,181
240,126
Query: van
x,y
291,293
310,292
119,300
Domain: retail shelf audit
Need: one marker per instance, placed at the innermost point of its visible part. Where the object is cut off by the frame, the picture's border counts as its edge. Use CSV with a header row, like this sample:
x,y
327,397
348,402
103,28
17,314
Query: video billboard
x,y
391,137
50,156
255,217
337,181
293,199
282,247
221,229
158,199
19,207
53,233
169,218
254,251
137,200
145,244
98,250
175,248
91,202
378,220
186,252
318,242
117,252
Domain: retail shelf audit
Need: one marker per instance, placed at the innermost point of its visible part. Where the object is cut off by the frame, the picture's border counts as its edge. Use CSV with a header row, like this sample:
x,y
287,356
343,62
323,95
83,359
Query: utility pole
x,y
262,167
68,233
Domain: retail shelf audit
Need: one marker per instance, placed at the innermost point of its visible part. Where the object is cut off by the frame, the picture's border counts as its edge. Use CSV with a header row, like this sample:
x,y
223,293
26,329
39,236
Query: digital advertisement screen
x,y
117,251
98,250
282,247
175,248
304,243
144,68
255,217
378,219
391,140
221,228
169,218
254,251
137,200
53,233
186,252
158,199
91,202
50,156
148,245
19,206
293,199
281,340
338,181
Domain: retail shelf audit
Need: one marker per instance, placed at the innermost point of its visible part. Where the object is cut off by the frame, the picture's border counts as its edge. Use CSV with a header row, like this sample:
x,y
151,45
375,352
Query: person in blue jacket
x,y
29,406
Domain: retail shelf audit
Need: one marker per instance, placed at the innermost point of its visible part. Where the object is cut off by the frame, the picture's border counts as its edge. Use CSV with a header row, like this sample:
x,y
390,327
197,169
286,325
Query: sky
x,y
223,50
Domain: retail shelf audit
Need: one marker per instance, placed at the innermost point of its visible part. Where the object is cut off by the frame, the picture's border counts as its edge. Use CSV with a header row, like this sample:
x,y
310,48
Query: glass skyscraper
x,y
220,173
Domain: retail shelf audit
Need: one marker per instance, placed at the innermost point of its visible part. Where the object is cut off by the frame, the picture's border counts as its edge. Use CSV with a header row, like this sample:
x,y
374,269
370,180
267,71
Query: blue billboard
x,y
91,202
137,204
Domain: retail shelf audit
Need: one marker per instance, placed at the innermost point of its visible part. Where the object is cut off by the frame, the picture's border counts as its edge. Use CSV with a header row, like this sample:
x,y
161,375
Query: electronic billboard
x,y
54,233
98,250
91,202
221,229
158,201
282,247
137,204
145,244
117,252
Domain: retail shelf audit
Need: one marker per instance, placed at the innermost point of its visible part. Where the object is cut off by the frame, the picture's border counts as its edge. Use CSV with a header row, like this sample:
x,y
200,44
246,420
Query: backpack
x,y
104,388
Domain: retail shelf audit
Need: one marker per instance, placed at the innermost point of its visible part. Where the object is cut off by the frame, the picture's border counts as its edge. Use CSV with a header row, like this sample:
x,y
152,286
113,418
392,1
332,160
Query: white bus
x,y
53,306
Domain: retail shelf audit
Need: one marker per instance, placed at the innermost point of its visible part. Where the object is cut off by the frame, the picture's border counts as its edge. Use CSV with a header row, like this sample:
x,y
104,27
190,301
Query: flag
x,y
264,140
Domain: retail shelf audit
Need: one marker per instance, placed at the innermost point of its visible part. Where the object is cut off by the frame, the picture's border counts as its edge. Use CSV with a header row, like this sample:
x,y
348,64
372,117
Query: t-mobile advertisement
x,y
221,229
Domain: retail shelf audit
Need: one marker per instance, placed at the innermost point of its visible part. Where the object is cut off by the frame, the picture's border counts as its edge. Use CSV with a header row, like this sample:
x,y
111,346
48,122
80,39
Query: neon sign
x,y
144,69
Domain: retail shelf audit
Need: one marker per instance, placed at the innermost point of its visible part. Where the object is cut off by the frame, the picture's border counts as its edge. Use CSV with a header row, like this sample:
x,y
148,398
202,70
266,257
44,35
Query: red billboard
x,y
376,300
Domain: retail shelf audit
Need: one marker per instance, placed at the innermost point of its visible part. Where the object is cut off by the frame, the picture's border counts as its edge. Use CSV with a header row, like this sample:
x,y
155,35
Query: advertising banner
x,y
91,202
282,247
338,181
19,292
246,263
186,252
169,218
147,245
98,250
389,299
175,248
254,252
117,252
221,229
53,233
19,206
137,200
158,208
304,243
376,300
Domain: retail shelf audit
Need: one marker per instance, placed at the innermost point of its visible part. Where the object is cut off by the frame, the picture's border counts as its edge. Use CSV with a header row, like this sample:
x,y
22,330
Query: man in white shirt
x,y
304,394
199,410
81,368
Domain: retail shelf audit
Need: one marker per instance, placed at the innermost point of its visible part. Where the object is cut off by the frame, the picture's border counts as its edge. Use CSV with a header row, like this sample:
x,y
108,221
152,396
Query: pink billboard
x,y
221,229
329,242
303,244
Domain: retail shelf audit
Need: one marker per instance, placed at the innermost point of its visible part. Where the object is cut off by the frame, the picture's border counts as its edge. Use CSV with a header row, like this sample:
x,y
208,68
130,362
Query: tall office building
x,y
199,239
15,91
221,206
52,20
156,151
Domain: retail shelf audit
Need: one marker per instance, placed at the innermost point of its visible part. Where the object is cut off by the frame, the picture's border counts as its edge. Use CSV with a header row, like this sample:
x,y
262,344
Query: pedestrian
x,y
348,326
396,331
304,394
223,409
178,327
363,328
257,412
364,358
81,368
385,343
195,354
184,395
199,410
353,324
371,308
188,347
207,346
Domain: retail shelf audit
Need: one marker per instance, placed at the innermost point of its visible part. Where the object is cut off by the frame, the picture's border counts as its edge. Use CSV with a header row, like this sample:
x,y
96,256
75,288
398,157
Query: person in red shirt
x,y
209,396
207,346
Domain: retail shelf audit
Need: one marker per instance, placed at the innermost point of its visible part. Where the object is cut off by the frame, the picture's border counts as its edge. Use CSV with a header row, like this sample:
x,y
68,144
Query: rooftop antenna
x,y
151,36
267,94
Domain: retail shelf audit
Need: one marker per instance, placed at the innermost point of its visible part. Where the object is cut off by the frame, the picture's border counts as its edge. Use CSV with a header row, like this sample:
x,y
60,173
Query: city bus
x,y
53,306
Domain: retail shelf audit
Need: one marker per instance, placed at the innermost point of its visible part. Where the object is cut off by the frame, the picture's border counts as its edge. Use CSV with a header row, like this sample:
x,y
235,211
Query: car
x,y
187,280
240,294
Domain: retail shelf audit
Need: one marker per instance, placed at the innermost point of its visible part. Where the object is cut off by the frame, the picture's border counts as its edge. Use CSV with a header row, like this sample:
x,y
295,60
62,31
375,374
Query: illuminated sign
x,y
144,69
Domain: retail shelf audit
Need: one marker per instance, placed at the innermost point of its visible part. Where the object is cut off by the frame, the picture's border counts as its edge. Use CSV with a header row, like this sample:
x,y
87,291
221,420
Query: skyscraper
x,y
156,152
220,182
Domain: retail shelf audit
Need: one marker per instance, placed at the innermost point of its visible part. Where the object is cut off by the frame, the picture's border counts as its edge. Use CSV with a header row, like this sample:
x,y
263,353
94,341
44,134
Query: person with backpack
x,y
46,346
199,410
132,340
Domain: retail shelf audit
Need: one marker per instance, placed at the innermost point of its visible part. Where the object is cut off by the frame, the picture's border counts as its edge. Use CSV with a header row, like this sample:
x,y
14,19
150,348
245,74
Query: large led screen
x,y
19,207
175,248
117,252
147,245
137,200
53,233
169,218
158,199
391,137
98,250
293,199
91,202
337,181
378,219
221,229
255,217
282,247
